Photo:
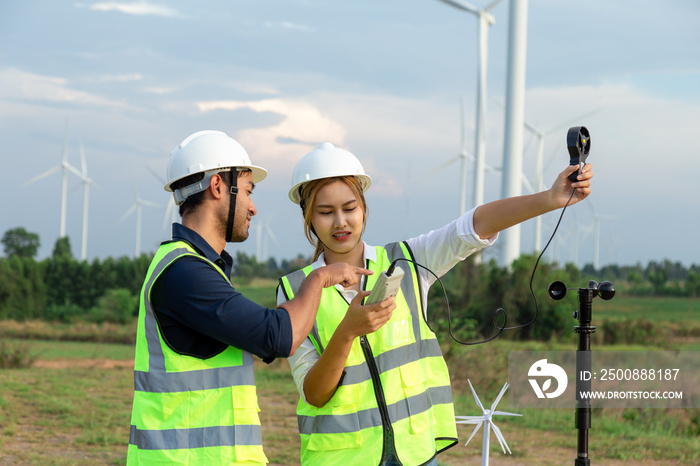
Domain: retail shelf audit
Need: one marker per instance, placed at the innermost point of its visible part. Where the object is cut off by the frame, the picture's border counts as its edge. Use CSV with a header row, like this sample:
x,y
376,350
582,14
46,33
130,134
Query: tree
x,y
62,249
19,242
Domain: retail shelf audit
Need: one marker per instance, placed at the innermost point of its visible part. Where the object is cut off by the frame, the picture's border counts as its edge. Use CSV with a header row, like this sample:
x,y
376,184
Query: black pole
x,y
584,315
583,366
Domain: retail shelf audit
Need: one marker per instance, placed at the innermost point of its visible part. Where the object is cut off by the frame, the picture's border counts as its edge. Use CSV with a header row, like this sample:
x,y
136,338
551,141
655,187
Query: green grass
x,y
80,415
260,290
655,309
69,415
56,350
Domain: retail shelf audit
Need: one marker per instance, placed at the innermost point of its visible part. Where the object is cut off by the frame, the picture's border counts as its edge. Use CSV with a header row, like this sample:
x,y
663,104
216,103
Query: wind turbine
x,y
486,19
87,181
463,157
486,419
138,207
263,234
171,210
65,167
539,161
595,226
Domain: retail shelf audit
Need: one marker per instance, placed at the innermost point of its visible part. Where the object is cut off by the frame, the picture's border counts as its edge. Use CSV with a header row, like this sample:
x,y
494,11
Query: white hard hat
x,y
209,152
326,161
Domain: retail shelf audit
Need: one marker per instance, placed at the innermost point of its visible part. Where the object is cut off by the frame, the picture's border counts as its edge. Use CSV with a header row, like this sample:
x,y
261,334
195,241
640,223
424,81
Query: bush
x,y
632,332
16,356
118,306
65,313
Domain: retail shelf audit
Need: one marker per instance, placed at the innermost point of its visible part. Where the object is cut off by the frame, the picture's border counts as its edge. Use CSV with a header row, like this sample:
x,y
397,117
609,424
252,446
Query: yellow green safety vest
x,y
189,410
396,387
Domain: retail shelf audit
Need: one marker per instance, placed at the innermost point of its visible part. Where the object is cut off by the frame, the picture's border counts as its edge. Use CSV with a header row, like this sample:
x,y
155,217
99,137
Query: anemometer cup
x,y
578,141
606,290
557,290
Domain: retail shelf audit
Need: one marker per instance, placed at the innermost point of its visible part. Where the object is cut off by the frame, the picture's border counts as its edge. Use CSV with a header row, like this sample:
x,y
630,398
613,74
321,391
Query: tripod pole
x,y
583,366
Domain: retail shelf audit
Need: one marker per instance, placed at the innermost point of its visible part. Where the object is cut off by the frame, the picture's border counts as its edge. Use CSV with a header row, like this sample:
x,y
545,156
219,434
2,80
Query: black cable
x,y
391,268
390,271
538,261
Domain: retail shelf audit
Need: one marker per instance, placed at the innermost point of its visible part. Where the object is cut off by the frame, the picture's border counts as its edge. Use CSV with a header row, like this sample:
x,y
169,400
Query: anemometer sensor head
x,y
578,141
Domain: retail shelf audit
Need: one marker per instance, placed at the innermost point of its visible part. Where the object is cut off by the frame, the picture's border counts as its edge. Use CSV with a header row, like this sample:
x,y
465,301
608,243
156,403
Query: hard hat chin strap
x,y
233,179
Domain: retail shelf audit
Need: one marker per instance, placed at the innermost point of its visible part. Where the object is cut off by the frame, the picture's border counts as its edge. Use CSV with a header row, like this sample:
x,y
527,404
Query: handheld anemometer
x,y
578,141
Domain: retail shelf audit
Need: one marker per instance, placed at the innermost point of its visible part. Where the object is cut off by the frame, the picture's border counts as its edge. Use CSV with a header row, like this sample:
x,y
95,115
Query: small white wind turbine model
x,y
138,207
486,418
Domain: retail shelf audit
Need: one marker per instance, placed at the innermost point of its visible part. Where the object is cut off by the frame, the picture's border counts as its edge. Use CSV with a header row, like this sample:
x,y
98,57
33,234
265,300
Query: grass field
x,y
655,309
73,406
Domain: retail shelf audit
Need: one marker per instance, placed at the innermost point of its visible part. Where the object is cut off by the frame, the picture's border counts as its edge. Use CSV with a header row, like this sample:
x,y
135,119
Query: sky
x,y
128,81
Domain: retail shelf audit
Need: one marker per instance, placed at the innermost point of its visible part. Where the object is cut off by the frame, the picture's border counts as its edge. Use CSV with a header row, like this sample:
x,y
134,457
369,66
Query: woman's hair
x,y
308,193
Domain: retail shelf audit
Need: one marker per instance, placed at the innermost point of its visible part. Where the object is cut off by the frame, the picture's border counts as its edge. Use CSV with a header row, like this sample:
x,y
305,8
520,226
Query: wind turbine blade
x,y
73,188
133,188
476,429
441,167
492,5
269,231
128,212
74,171
470,419
501,438
82,159
500,395
462,6
476,397
149,203
502,413
43,175
168,212
573,121
491,169
156,175
462,124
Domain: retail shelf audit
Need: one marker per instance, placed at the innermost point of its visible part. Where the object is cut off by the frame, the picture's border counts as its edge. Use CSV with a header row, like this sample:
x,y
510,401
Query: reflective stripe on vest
x,y
170,416
415,393
371,417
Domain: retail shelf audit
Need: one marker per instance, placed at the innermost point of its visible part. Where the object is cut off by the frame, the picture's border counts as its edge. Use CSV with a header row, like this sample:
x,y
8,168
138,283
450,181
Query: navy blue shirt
x,y
199,313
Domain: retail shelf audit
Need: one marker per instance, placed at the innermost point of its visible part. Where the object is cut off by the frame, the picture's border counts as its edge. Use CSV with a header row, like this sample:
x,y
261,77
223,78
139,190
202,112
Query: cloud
x,y
20,85
122,78
303,125
288,25
137,9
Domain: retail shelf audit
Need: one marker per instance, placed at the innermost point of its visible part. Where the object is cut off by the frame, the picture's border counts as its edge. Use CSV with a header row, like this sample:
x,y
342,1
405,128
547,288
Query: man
x,y
194,388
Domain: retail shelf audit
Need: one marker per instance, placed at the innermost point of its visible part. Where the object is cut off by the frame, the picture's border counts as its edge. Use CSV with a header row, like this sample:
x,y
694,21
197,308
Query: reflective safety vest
x,y
395,392
189,410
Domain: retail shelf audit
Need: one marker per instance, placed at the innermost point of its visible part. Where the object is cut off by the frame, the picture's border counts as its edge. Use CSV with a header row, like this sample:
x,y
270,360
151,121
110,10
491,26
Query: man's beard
x,y
239,232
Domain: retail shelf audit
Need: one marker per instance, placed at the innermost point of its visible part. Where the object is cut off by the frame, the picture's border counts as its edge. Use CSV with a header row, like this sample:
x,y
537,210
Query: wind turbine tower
x,y
515,115
486,19
138,208
87,181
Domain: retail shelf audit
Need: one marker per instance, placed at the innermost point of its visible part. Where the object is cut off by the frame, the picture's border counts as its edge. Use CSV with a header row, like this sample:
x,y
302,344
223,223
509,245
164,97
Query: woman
x,y
374,387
